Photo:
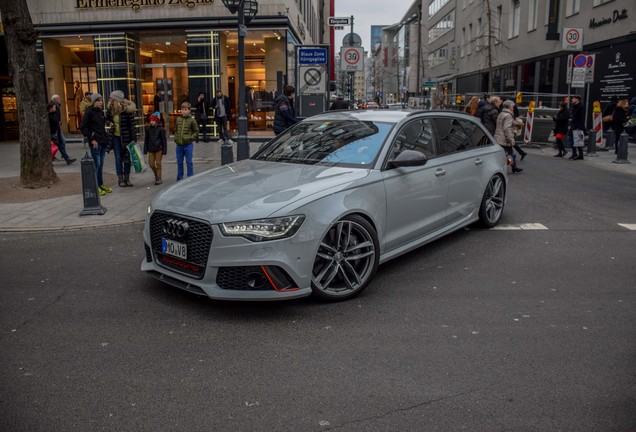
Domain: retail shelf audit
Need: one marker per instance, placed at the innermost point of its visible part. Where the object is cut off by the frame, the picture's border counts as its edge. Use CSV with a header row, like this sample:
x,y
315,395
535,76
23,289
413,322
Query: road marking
x,y
520,227
631,227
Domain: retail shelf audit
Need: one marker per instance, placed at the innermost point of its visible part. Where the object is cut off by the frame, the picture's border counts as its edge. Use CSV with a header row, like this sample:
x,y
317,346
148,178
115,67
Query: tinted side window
x,y
416,135
451,135
476,135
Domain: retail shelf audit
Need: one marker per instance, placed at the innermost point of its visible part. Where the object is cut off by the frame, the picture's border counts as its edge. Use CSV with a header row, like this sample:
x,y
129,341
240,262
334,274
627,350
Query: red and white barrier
x,y
527,136
598,128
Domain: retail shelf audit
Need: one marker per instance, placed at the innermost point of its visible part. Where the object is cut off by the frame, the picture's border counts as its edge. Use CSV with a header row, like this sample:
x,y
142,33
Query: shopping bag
x,y
552,137
136,157
54,149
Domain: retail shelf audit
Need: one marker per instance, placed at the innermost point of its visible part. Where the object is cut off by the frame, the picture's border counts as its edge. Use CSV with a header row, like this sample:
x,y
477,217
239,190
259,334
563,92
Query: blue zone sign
x,y
312,56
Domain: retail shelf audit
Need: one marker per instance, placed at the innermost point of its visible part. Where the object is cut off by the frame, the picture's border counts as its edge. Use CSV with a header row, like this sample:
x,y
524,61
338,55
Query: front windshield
x,y
332,142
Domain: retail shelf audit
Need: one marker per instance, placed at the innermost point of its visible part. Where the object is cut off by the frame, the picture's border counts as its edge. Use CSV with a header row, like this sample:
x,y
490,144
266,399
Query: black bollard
x,y
591,143
90,191
621,153
610,137
227,153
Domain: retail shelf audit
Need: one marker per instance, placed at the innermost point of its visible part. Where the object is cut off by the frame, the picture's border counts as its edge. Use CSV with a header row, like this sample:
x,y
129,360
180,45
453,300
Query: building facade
x,y
162,52
508,46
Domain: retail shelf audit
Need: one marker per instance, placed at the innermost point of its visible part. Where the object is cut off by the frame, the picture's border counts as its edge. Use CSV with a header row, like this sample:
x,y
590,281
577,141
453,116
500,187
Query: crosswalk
x,y
538,226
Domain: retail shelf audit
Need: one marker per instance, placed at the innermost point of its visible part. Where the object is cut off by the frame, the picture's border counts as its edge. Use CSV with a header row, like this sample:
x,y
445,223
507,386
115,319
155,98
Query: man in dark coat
x,y
578,127
284,112
339,104
222,115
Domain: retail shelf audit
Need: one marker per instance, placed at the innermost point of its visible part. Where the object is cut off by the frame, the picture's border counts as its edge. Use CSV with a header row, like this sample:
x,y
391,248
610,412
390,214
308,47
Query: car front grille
x,y
198,239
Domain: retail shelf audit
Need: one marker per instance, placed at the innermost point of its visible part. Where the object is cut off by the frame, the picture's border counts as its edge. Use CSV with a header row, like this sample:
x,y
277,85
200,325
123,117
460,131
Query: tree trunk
x,y
36,168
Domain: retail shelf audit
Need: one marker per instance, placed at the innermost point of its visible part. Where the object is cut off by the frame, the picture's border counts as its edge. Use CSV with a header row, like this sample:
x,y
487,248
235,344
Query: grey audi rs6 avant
x,y
318,208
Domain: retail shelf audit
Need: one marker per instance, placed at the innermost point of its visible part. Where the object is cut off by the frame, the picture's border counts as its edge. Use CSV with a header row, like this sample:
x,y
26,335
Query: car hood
x,y
252,189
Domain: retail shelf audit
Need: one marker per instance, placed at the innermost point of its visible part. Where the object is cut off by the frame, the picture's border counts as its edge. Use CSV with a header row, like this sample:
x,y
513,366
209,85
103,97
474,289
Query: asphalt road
x,y
485,330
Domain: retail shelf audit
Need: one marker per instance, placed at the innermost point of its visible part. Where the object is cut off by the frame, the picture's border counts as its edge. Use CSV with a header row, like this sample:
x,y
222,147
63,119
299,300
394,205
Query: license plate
x,y
175,249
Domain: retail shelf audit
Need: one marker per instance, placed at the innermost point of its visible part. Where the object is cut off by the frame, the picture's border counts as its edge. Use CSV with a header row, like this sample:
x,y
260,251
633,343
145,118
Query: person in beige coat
x,y
505,133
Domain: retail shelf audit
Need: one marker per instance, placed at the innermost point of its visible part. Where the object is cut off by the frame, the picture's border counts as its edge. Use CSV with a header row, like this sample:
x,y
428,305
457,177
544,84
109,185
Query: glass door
x,y
164,87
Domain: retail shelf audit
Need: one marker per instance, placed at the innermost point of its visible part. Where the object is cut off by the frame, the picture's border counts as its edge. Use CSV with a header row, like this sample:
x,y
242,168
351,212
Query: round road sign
x,y
313,76
580,60
572,36
352,56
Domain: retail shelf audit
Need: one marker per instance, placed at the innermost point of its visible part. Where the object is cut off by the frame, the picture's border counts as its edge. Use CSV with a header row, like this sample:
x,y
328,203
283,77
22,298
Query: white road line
x,y
520,227
631,227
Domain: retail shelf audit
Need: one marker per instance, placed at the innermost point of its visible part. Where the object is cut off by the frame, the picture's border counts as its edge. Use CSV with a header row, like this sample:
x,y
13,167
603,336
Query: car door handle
x,y
479,161
440,172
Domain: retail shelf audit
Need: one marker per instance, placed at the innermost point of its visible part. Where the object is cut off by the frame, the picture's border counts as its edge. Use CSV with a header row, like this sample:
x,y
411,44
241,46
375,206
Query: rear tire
x,y
346,260
492,203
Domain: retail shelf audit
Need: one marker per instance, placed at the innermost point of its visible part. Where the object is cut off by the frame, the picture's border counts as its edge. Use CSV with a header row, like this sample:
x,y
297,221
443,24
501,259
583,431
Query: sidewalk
x,y
129,204
124,205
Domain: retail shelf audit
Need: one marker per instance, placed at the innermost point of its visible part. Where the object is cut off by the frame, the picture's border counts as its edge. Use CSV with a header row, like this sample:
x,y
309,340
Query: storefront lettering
x,y
137,4
616,16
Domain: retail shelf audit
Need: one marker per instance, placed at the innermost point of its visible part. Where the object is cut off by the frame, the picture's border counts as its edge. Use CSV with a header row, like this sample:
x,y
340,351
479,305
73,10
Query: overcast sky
x,y
367,13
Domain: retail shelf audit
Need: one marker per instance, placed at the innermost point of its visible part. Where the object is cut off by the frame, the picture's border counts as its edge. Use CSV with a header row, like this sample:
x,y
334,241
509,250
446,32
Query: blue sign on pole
x,y
312,56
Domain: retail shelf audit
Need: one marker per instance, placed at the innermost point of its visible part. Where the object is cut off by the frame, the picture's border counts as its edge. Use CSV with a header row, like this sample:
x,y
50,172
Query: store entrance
x,y
164,87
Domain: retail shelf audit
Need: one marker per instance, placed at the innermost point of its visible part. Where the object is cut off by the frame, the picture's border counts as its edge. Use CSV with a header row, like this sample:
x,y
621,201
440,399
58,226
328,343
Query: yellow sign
x,y
530,106
596,107
519,98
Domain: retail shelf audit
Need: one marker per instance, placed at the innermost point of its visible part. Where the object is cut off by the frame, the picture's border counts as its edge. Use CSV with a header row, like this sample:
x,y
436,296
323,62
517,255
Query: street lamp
x,y
247,9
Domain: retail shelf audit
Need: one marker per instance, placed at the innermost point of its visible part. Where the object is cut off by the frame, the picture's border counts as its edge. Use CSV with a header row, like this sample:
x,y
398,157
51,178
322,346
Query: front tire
x,y
346,260
492,203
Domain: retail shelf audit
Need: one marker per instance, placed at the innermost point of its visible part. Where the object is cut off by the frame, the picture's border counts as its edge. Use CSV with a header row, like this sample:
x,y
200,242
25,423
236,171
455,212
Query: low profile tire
x,y
346,260
492,203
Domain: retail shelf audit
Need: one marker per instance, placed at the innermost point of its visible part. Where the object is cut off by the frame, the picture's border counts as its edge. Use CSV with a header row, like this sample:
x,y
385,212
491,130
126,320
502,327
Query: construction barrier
x,y
527,136
597,123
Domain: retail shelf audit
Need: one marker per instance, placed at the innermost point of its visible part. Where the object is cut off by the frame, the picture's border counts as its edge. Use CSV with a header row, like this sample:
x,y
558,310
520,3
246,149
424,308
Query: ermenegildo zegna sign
x,y
137,4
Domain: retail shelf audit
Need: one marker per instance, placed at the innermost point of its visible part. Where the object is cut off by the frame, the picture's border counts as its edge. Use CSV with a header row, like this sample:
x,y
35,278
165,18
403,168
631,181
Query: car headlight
x,y
264,229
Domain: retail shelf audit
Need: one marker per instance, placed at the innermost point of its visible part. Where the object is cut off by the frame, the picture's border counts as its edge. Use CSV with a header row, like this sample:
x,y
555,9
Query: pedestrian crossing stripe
x,y
520,227
631,227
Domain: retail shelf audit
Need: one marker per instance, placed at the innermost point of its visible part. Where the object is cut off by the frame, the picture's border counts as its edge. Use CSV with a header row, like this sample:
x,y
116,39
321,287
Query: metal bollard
x,y
227,153
621,154
591,143
90,191
610,138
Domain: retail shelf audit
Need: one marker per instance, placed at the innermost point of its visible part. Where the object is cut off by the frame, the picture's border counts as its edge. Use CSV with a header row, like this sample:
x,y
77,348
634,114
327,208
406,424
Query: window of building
x,y
470,39
515,17
499,24
442,27
438,56
462,47
480,34
572,7
600,2
533,9
435,6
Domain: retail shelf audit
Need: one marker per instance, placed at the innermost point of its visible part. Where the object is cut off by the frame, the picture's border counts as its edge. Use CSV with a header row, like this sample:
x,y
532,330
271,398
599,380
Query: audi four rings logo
x,y
175,228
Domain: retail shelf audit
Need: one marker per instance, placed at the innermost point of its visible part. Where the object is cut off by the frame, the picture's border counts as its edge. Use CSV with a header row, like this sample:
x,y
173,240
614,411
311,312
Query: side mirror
x,y
409,158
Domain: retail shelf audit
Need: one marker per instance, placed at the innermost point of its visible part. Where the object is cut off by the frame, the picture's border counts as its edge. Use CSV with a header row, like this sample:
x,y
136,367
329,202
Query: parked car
x,y
372,105
319,207
396,106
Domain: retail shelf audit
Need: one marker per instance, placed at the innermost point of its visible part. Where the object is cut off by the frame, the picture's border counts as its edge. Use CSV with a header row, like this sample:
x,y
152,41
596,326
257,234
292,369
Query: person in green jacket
x,y
186,131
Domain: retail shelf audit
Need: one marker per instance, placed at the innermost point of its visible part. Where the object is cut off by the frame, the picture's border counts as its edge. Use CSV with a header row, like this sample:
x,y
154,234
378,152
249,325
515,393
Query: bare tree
x,y
36,169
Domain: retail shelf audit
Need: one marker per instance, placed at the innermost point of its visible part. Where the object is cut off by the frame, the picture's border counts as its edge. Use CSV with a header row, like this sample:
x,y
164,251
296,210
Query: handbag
x,y
54,149
552,137
136,157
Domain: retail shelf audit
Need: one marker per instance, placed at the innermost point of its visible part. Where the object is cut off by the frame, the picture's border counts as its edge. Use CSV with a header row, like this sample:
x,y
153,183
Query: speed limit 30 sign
x,y
573,39
351,59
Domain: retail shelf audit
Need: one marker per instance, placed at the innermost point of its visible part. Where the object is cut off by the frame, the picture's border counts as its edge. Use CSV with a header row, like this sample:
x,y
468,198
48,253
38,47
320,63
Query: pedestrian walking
x,y
202,110
93,128
561,128
490,114
222,115
505,133
284,112
578,127
186,131
619,118
155,145
61,139
121,113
